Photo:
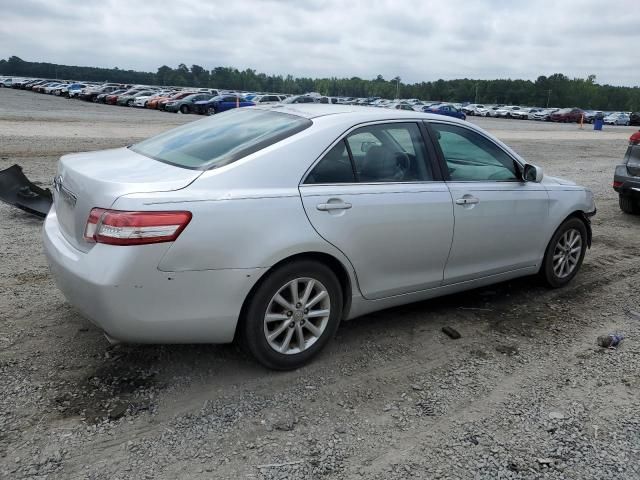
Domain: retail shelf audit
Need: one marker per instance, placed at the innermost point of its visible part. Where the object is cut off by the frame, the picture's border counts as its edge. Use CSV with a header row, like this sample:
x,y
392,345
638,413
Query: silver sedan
x,y
270,225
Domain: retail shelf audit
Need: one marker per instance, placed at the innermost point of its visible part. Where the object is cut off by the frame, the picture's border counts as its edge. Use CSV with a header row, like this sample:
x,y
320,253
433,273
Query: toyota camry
x,y
270,225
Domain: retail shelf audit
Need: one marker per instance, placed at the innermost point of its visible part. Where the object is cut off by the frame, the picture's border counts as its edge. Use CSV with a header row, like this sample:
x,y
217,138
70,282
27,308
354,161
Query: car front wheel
x,y
292,315
564,253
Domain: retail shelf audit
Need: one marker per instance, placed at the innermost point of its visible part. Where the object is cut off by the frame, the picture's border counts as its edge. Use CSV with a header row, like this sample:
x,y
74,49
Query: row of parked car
x,y
208,101
563,115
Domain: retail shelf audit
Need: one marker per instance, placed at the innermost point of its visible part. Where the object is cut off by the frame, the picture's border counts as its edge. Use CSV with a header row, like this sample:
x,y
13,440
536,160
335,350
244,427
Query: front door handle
x,y
327,207
467,200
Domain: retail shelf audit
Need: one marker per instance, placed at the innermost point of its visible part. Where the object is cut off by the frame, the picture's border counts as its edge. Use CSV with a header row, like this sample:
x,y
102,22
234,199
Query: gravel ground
x,y
524,394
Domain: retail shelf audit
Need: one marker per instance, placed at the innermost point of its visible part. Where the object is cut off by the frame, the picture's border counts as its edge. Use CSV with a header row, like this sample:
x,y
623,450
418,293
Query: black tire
x,y
251,328
546,270
184,109
129,103
628,204
211,111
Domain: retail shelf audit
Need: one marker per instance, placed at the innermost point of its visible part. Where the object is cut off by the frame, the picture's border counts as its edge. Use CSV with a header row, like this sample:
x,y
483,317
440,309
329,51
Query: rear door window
x,y
393,152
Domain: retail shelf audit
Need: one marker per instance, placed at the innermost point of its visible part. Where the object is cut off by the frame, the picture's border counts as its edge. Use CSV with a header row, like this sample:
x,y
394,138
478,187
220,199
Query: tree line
x,y
556,90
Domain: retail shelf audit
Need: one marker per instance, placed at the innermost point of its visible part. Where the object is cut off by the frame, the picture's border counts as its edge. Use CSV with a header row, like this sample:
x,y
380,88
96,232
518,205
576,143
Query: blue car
x,y
221,103
444,109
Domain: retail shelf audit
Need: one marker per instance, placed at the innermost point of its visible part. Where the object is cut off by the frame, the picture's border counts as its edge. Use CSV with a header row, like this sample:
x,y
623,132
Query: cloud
x,y
416,40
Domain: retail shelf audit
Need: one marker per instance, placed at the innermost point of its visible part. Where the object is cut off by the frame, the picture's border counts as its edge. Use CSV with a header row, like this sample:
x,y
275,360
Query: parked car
x,y
472,108
400,106
491,111
166,241
567,115
6,82
113,98
102,97
265,99
41,88
91,94
142,100
617,119
52,89
127,99
221,103
72,90
178,96
445,109
505,111
524,113
300,99
544,114
626,179
187,104
634,118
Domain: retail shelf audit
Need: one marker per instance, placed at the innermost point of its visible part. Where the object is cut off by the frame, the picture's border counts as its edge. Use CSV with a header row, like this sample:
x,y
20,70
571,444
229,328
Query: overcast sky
x,y
417,40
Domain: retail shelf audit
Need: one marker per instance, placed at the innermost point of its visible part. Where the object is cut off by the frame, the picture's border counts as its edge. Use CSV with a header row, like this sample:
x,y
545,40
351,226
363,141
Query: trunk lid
x,y
96,179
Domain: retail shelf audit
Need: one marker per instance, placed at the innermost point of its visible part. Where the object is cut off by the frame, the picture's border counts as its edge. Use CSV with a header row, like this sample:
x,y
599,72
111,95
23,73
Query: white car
x,y
617,119
488,111
505,112
273,224
6,82
266,99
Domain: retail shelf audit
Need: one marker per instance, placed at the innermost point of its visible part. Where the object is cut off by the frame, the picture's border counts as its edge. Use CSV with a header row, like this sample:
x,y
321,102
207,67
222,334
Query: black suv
x,y
626,179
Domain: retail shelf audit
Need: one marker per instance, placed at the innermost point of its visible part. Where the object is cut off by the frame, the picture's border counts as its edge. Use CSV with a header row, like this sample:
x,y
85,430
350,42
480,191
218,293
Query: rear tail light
x,y
115,227
617,184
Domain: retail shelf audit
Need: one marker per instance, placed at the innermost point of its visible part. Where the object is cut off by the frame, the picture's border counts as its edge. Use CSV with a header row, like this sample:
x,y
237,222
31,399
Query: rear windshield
x,y
222,138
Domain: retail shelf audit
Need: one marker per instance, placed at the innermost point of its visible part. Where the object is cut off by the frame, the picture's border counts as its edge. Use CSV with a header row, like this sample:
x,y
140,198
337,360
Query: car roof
x,y
350,112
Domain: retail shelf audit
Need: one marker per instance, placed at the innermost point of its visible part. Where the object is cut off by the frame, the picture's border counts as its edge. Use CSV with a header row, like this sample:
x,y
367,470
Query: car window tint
x,y
391,152
335,167
221,139
472,157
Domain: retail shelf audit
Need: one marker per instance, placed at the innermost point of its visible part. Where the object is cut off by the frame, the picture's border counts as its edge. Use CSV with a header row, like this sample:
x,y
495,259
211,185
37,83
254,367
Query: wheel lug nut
x,y
292,324
298,305
289,313
306,310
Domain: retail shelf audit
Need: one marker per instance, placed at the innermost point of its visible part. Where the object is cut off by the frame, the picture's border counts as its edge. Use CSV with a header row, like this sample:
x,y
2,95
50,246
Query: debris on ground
x,y
451,333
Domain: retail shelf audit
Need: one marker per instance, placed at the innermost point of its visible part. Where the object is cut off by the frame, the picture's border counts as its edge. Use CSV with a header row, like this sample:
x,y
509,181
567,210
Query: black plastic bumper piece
x,y
17,190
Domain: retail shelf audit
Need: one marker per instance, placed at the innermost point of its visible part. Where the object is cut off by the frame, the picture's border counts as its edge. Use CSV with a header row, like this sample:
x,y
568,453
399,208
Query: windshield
x,y
221,139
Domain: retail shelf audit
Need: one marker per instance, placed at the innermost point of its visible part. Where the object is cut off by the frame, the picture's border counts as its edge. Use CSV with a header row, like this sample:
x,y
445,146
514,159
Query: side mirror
x,y
533,173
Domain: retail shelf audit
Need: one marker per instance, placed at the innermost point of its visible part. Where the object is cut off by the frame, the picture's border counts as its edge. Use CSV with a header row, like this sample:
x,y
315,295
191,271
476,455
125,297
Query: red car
x,y
567,115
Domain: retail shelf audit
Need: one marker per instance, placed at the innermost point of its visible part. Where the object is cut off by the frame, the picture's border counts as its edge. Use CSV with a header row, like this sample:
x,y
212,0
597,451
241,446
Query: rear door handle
x,y
467,201
327,207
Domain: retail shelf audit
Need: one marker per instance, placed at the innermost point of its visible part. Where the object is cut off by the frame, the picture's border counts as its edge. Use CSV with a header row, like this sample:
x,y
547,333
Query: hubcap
x,y
297,316
567,253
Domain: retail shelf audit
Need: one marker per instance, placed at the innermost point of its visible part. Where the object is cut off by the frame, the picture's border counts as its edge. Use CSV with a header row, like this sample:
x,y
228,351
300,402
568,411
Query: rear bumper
x,y
121,290
629,185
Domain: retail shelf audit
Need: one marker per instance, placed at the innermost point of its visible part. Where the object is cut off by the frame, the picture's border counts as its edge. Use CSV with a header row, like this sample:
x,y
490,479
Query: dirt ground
x,y
525,393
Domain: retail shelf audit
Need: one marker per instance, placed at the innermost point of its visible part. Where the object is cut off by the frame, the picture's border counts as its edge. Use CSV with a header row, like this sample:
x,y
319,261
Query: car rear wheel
x,y
129,103
211,111
565,253
628,204
184,109
292,315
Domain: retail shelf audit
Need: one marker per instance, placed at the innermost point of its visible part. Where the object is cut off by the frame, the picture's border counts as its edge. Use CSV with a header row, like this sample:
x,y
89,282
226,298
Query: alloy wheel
x,y
297,316
566,253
